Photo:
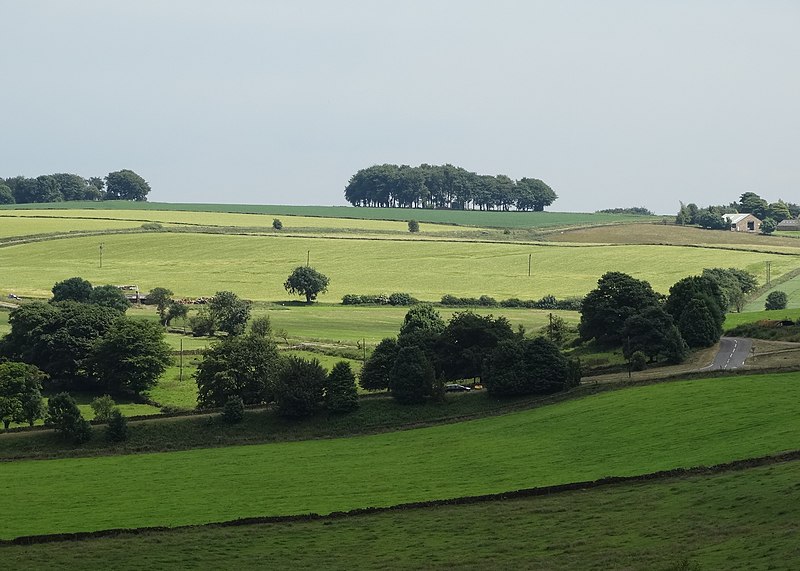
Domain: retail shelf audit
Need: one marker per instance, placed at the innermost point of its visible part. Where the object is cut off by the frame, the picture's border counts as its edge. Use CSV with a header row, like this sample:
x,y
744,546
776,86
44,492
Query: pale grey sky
x,y
614,103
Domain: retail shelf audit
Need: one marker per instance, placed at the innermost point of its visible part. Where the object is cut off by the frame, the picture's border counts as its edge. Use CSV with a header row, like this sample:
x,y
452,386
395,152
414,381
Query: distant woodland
x,y
445,186
119,185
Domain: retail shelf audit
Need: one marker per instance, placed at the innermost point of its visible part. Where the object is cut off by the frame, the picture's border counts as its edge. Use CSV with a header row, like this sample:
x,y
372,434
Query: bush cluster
x,y
396,298
547,302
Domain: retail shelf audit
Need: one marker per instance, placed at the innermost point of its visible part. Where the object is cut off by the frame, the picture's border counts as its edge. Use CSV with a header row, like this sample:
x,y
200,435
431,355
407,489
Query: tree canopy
x,y
306,281
126,185
445,186
617,297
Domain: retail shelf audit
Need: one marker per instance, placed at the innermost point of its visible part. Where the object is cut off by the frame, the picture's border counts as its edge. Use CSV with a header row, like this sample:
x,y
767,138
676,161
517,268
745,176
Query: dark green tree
x,y
413,226
233,411
64,416
176,310
306,281
126,185
653,333
20,393
6,196
72,289
375,372
117,429
229,312
242,365
705,328
58,338
130,356
768,226
161,297
776,300
340,391
277,224
109,296
412,378
202,324
299,387
466,342
527,366
711,220
698,325
617,297
753,203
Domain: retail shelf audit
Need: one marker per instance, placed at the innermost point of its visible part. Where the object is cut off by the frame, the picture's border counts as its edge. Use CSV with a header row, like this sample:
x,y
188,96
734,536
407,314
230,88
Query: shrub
x,y
399,298
351,299
486,301
64,416
340,393
103,407
233,411
413,226
202,324
277,224
117,429
638,361
152,226
299,387
412,377
776,300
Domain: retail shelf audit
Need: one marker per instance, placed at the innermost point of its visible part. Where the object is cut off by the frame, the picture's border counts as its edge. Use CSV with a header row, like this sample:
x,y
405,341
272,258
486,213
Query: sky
x,y
613,104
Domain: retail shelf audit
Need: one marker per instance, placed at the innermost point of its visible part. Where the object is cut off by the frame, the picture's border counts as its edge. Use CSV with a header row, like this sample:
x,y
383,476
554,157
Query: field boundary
x,y
735,465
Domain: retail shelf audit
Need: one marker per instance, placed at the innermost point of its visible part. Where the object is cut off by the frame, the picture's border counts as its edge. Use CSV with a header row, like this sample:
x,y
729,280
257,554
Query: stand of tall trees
x,y
445,186
119,185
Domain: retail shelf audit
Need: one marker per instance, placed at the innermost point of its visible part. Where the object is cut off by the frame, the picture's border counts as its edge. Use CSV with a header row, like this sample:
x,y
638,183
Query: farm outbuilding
x,y
789,224
742,222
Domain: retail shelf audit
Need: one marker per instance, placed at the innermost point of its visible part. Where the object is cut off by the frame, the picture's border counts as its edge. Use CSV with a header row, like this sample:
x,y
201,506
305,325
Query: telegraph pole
x,y
101,255
529,265
768,273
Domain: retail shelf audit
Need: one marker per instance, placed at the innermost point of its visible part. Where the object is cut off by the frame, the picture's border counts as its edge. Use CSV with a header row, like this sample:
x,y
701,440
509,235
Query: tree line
x,y
444,186
118,185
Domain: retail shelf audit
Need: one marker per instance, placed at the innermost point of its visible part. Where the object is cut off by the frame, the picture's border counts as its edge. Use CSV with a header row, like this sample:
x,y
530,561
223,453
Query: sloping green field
x,y
255,267
24,226
624,432
463,217
740,520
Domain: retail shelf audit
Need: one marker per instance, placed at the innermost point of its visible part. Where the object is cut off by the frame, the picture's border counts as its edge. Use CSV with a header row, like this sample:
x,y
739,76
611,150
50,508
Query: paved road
x,y
731,355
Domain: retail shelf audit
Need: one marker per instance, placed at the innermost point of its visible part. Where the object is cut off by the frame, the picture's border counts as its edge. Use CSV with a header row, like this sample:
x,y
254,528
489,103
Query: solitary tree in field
x,y
161,297
776,300
307,281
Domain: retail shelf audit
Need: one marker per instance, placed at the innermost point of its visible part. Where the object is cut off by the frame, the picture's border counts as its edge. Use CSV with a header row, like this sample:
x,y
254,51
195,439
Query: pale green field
x,y
255,267
23,226
220,219
791,288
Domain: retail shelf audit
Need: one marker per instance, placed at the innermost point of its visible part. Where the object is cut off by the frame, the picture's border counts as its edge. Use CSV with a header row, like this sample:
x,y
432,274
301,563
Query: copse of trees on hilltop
x,y
445,186
118,185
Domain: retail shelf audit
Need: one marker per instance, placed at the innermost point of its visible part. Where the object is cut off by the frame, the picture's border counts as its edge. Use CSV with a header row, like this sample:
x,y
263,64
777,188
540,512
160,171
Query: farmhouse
x,y
742,222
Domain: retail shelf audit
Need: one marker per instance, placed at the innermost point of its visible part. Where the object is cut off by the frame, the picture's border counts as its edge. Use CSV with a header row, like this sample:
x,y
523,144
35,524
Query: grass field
x,y
735,319
461,217
734,521
34,220
27,226
670,234
624,432
790,287
255,267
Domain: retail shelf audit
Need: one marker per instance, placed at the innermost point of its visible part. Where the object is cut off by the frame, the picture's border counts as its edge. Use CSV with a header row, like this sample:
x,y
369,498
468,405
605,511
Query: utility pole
x,y
101,255
529,265
181,375
308,258
768,273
